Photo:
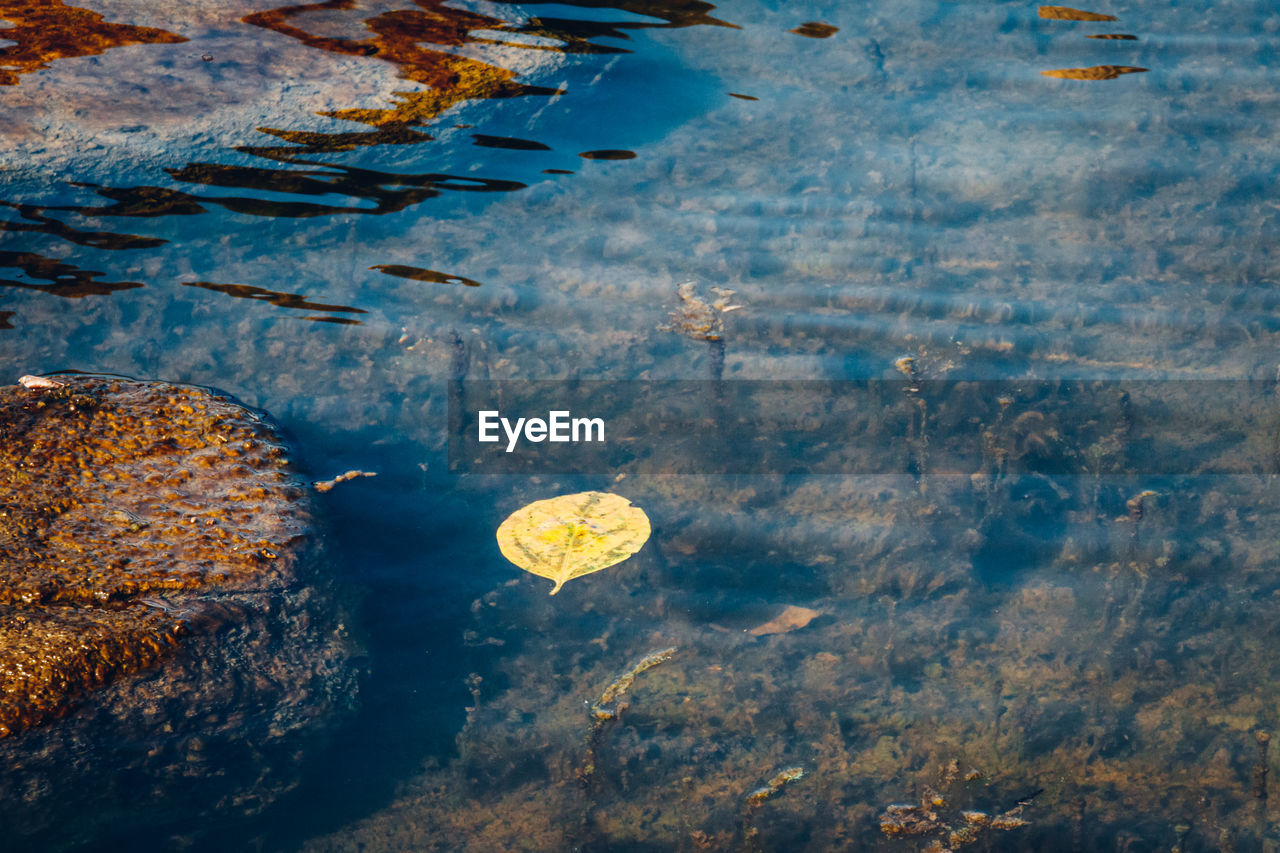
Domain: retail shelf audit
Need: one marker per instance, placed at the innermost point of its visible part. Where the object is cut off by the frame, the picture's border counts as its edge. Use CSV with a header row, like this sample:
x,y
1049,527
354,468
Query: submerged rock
x,y
167,635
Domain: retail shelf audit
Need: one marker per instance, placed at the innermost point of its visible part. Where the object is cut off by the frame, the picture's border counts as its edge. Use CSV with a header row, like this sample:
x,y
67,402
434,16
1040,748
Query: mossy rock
x,y
169,638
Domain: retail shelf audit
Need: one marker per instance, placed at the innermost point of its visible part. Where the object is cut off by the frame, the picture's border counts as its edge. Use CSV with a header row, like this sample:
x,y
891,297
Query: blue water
x,y
909,186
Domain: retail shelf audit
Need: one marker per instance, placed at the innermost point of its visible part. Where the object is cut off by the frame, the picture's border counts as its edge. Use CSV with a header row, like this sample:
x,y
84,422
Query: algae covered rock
x,y
169,638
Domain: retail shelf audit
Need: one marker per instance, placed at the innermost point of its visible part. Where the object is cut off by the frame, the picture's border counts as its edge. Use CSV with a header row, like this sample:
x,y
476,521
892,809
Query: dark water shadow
x,y
419,274
38,222
389,192
63,279
413,620
282,300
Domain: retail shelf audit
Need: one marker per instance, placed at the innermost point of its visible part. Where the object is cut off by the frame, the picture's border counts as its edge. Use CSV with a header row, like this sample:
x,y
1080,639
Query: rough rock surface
x,y
166,634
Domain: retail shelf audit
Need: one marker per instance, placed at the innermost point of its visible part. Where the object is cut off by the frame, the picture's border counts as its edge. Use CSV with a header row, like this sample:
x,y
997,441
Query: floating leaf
x,y
573,535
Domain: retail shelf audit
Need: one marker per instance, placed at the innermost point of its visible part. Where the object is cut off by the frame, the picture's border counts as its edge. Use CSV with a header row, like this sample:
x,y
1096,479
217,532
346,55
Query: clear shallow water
x,y
909,186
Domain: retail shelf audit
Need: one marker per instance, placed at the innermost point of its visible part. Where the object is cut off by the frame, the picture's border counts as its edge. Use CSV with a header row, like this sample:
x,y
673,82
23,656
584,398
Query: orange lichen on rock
x,y
114,493
50,656
46,30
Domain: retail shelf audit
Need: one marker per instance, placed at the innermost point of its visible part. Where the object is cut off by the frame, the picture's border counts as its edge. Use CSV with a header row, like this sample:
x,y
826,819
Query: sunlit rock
x,y
167,633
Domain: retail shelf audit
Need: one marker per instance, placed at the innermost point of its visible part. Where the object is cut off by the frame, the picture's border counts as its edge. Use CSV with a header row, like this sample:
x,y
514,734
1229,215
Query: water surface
x,y
337,211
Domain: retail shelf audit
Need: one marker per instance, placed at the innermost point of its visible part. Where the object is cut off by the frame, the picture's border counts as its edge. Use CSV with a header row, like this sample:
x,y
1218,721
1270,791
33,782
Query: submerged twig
x,y
326,485
606,710
1261,768
610,704
758,797
917,436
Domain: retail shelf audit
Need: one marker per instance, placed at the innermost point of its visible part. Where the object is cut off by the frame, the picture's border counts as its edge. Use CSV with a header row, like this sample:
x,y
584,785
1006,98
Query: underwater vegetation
x,y
1090,632
936,818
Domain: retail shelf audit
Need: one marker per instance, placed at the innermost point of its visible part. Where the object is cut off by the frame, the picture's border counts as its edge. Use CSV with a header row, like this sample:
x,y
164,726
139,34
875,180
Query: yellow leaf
x,y
573,535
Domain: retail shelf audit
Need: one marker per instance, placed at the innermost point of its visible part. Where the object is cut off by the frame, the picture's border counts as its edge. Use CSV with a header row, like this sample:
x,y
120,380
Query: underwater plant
x,y
948,828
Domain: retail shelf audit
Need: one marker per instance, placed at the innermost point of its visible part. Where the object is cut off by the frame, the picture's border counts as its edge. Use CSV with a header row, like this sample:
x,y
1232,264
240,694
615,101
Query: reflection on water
x,y
37,222
675,14
397,37
511,143
1096,72
389,191
283,300
816,30
48,30
138,201
419,274
608,154
1066,13
428,42
66,280
314,142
